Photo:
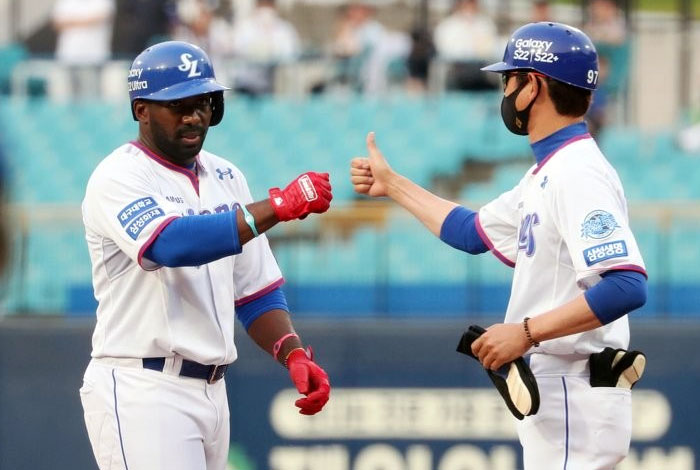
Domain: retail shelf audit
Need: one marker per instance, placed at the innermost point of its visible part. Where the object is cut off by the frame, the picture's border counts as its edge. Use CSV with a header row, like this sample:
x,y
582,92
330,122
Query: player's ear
x,y
140,109
536,84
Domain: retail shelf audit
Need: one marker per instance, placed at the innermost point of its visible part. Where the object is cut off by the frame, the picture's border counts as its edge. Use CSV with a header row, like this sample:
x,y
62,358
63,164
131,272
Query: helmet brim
x,y
499,67
185,90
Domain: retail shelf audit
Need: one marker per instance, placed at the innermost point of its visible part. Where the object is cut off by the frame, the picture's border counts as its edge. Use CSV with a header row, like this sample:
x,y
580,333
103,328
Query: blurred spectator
x,y
199,24
356,34
418,61
606,23
541,11
262,41
139,24
607,29
688,137
368,53
468,39
84,29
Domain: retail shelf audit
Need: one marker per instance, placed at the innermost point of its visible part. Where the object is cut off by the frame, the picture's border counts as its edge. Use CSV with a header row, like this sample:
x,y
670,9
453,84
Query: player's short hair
x,y
568,100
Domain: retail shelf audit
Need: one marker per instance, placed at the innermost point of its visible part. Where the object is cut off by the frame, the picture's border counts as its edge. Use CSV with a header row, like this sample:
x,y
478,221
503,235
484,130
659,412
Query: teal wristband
x,y
249,220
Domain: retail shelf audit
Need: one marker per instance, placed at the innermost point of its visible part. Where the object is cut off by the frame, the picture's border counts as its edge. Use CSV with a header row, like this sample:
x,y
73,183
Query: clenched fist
x,y
309,192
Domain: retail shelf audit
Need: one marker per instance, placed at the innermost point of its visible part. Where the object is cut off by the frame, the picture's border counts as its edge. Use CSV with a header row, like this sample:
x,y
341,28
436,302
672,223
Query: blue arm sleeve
x,y
196,240
459,231
250,311
617,294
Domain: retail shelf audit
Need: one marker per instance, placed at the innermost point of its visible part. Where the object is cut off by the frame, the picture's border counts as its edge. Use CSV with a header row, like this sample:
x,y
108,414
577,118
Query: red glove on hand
x,y
310,380
309,192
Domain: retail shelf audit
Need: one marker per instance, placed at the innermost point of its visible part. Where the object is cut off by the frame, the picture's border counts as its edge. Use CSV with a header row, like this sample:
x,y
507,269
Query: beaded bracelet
x,y
528,334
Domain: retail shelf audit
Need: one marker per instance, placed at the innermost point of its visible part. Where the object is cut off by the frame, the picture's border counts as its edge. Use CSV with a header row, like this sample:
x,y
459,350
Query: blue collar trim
x,y
545,147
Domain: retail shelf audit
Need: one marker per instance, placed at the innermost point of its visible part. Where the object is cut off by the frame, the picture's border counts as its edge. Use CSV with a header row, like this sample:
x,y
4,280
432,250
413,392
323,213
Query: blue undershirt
x,y
459,231
251,311
196,240
617,294
544,147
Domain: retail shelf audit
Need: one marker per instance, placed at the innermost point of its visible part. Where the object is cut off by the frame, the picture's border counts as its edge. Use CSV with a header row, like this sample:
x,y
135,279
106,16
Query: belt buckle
x,y
217,373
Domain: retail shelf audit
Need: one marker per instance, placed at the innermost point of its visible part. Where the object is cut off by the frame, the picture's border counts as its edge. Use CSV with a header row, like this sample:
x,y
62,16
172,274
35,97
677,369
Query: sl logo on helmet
x,y
189,64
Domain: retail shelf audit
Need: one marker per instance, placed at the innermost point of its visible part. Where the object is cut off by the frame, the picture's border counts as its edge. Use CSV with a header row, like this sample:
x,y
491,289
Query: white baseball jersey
x,y
146,310
563,225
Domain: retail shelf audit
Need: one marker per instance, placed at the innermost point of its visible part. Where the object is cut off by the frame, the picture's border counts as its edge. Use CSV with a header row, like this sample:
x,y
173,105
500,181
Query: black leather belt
x,y
195,370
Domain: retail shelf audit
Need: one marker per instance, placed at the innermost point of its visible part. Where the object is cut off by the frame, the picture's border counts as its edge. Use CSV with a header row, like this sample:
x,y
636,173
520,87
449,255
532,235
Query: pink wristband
x,y
278,345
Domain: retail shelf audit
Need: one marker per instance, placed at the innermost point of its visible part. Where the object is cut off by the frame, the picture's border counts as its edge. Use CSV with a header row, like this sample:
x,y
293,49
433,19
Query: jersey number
x,y
592,77
526,240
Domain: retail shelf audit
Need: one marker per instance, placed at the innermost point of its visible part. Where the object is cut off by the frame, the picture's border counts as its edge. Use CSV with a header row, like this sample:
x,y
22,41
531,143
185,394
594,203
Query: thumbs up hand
x,y
373,176
370,175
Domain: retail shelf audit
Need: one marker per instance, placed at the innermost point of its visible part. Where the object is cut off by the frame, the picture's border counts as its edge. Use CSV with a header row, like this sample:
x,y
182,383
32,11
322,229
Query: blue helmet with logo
x,y
556,50
174,70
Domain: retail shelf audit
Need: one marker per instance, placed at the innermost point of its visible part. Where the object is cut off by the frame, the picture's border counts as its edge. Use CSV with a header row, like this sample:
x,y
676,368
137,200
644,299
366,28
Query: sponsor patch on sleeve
x,y
598,253
134,209
141,221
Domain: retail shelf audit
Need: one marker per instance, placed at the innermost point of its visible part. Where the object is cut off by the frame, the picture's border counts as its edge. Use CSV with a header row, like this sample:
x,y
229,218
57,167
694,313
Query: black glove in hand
x,y
514,381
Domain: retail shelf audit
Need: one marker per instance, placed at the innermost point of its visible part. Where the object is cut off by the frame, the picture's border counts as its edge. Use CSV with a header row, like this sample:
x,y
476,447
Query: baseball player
x,y
564,229
177,248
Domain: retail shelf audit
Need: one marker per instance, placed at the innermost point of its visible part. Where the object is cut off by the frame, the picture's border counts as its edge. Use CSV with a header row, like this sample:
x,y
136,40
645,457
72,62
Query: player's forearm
x,y
427,207
263,218
267,329
618,293
573,317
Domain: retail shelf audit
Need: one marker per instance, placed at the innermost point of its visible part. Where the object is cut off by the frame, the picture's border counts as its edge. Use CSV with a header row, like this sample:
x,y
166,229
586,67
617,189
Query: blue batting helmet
x,y
556,50
173,70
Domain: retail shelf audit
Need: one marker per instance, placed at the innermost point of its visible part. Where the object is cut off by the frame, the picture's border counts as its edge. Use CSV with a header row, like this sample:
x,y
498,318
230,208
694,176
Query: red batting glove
x,y
310,380
309,192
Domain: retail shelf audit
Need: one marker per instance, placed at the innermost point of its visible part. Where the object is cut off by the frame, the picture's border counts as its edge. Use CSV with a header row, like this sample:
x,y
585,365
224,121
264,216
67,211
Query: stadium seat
x,y
52,148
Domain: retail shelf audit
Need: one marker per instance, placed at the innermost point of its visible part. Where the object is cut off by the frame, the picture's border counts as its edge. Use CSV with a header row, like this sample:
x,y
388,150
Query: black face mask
x,y
516,121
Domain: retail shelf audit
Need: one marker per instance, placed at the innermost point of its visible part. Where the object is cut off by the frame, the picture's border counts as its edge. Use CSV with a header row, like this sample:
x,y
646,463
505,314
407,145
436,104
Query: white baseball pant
x,y
578,427
141,419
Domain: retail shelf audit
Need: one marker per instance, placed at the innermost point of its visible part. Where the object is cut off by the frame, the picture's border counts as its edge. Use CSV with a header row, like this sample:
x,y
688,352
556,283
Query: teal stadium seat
x,y
55,258
52,149
10,55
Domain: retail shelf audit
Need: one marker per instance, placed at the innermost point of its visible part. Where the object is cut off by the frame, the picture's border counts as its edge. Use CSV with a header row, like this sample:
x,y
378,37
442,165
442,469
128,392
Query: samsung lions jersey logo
x,y
598,224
